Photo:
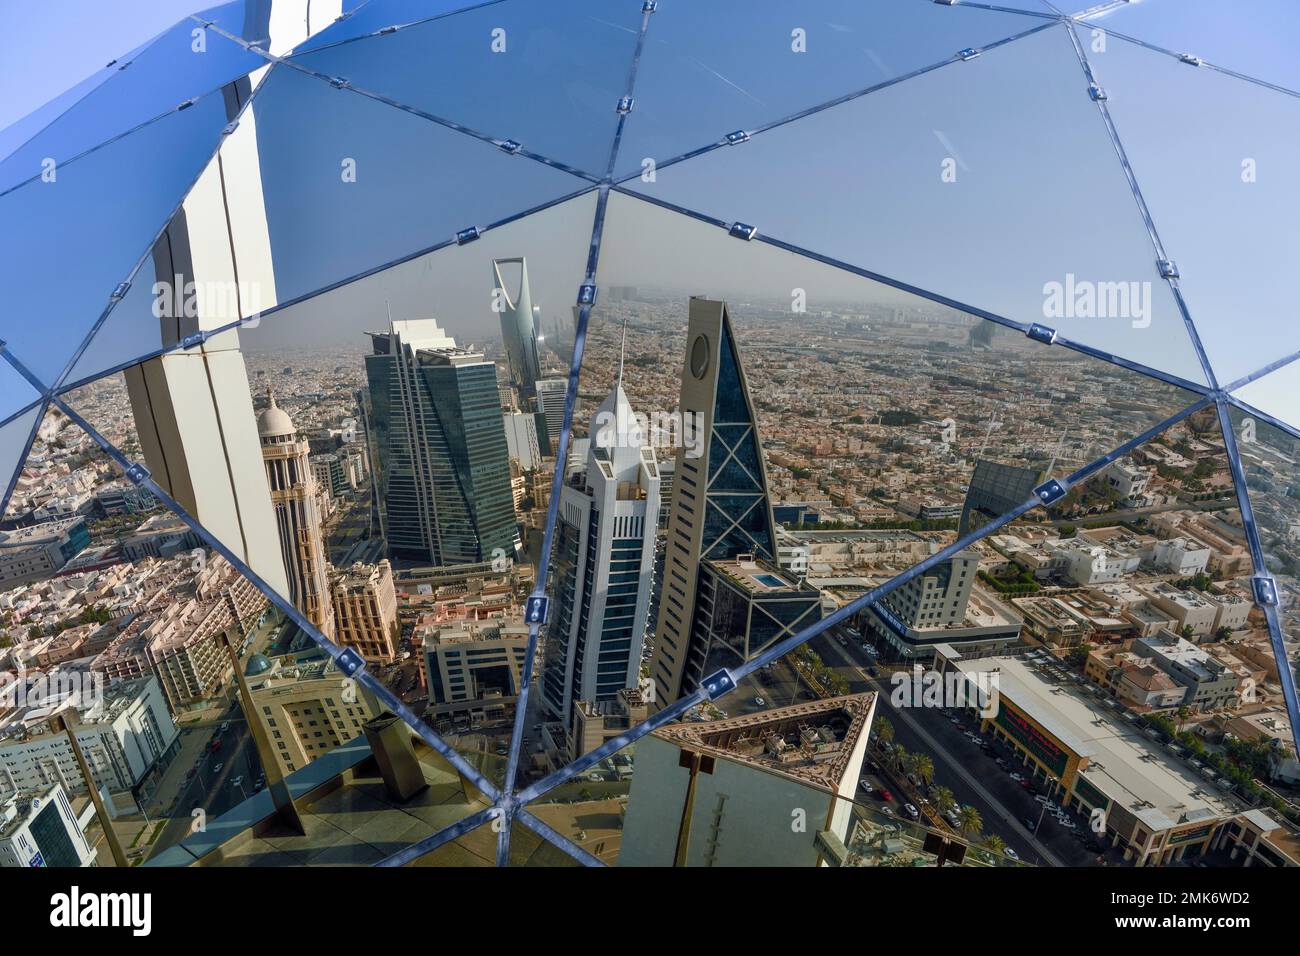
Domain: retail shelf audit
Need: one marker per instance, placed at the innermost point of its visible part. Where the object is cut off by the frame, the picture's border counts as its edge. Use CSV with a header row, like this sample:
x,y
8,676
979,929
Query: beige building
x,y
296,499
472,668
365,611
307,709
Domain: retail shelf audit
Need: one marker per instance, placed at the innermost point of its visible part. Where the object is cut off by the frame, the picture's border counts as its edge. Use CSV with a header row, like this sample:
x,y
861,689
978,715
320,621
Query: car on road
x,y
237,782
225,726
1010,854
1030,824
885,794
911,811
217,768
759,701
1016,776
866,786
887,811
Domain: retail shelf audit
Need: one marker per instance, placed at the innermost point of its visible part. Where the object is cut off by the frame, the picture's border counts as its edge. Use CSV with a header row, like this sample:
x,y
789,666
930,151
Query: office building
x,y
38,551
125,734
294,496
941,606
721,509
438,448
365,611
41,829
306,708
551,393
995,488
604,569
521,439
518,329
472,669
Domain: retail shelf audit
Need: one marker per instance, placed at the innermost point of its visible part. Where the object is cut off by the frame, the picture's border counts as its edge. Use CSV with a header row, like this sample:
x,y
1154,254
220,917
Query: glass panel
x,y
728,492
383,454
369,17
1276,394
14,437
522,57
1234,142
1262,45
951,172
118,607
364,184
45,227
184,62
15,391
709,69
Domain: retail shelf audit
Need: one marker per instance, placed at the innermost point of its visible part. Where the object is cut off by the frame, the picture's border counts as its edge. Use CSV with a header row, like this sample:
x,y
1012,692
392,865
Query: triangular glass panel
x,y
521,55
345,185
186,62
710,69
1234,144
1276,394
371,16
950,173
15,438
101,213
1262,45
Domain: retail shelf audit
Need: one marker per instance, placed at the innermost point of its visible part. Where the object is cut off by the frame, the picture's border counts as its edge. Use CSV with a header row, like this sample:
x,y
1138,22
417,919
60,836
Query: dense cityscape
x,y
717,498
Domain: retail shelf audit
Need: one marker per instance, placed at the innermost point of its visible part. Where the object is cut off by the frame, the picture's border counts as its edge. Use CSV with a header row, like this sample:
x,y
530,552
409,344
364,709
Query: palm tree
x,y
943,799
898,757
995,843
969,821
884,730
923,767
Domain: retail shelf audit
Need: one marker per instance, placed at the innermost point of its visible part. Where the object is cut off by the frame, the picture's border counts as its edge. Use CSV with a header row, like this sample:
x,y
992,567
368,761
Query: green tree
x,y
884,730
943,799
923,767
969,821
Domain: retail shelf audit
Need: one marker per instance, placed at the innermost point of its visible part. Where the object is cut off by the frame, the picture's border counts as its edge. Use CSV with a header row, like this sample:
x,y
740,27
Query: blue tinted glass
x,y
526,83
351,184
368,17
709,69
14,437
957,182
1256,38
184,62
67,244
1225,208
15,391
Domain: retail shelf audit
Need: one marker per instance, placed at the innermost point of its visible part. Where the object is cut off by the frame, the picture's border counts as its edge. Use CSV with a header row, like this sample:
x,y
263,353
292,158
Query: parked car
x,y
1010,854
217,768
885,794
866,786
911,811
1030,824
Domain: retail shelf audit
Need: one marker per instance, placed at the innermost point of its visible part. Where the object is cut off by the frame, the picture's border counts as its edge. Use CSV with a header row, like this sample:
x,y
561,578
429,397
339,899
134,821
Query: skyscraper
x,y
518,329
550,395
720,526
605,563
438,448
297,514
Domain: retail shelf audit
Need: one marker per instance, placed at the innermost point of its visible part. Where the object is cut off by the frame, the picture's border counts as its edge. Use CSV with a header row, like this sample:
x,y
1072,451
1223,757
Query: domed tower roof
x,y
258,664
273,422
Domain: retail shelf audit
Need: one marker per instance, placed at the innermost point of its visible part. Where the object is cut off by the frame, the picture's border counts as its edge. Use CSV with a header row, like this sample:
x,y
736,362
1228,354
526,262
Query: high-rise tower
x,y
518,329
297,514
604,564
722,583
438,448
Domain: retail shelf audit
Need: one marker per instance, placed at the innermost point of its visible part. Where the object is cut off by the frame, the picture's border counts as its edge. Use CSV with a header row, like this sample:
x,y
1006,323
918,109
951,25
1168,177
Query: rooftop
x,y
1123,762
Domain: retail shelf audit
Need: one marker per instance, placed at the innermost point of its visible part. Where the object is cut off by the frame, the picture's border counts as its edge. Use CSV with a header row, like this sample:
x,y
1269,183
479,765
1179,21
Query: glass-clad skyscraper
x,y
442,465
